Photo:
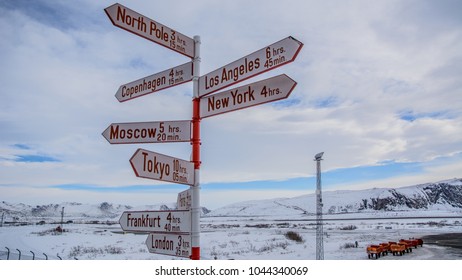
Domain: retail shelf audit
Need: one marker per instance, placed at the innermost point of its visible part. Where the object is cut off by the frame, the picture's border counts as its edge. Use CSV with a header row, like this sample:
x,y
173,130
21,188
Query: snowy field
x,y
239,238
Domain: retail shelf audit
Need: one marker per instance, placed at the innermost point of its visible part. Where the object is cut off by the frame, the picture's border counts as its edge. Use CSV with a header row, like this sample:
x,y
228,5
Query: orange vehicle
x,y
407,244
385,248
374,251
397,249
411,242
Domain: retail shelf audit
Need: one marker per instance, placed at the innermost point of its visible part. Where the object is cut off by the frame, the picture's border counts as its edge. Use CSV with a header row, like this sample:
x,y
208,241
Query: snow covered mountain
x,y
73,211
440,197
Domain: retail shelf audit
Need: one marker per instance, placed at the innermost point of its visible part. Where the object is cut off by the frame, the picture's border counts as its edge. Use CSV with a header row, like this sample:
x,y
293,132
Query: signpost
x,y
177,233
172,221
151,165
184,200
148,132
149,29
178,245
156,82
272,89
263,60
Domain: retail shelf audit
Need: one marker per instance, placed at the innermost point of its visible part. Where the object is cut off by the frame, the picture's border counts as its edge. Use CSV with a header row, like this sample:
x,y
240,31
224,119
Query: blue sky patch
x,y
287,102
22,146
35,158
123,189
411,116
327,102
329,178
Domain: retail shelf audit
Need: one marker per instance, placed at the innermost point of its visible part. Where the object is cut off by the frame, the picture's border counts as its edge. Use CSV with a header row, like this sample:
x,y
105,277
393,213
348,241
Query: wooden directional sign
x,y
148,132
157,82
156,221
272,89
151,165
149,29
178,245
263,60
184,200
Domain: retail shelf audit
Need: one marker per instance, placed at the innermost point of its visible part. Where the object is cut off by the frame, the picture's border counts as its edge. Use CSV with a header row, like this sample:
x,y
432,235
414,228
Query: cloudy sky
x,y
379,91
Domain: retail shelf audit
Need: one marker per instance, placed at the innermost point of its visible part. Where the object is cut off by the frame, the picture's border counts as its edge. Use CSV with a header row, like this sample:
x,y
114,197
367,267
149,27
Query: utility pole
x,y
62,219
196,155
319,228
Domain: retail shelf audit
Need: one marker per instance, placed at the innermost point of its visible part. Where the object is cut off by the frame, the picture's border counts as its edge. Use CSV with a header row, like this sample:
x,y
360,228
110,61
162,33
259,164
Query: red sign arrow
x,y
156,82
171,221
149,29
272,89
151,165
178,245
263,60
148,132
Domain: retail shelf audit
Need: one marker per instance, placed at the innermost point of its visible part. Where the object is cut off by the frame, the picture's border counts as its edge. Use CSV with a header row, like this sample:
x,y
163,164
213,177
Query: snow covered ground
x,y
240,238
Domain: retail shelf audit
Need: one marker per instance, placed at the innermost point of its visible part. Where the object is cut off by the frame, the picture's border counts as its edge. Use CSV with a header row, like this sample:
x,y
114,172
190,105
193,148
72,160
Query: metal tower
x,y
319,229
62,219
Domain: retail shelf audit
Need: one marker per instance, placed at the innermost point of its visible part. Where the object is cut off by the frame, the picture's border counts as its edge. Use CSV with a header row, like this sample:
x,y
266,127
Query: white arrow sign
x,y
272,89
157,82
156,221
151,165
263,60
149,29
148,132
178,245
184,200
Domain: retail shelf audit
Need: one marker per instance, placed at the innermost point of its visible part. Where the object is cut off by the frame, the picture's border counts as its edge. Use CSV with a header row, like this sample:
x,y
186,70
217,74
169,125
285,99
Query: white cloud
x,y
363,65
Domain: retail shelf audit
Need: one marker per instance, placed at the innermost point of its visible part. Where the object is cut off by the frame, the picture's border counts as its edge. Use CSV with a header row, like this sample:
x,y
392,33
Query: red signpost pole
x,y
196,159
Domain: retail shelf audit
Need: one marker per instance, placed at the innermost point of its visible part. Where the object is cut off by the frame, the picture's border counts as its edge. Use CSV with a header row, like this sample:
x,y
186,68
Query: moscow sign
x,y
148,132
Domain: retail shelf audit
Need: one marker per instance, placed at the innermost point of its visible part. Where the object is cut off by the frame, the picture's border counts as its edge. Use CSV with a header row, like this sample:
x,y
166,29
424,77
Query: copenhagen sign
x,y
157,82
148,132
263,60
151,165
149,29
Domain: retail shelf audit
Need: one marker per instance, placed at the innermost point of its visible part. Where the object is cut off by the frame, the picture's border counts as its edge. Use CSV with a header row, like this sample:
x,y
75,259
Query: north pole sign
x,y
173,221
264,91
263,60
149,29
178,245
148,132
151,165
156,82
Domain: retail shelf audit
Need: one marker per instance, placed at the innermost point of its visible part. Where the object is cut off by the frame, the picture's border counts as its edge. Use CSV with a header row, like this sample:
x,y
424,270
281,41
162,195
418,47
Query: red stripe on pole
x,y
196,158
196,134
